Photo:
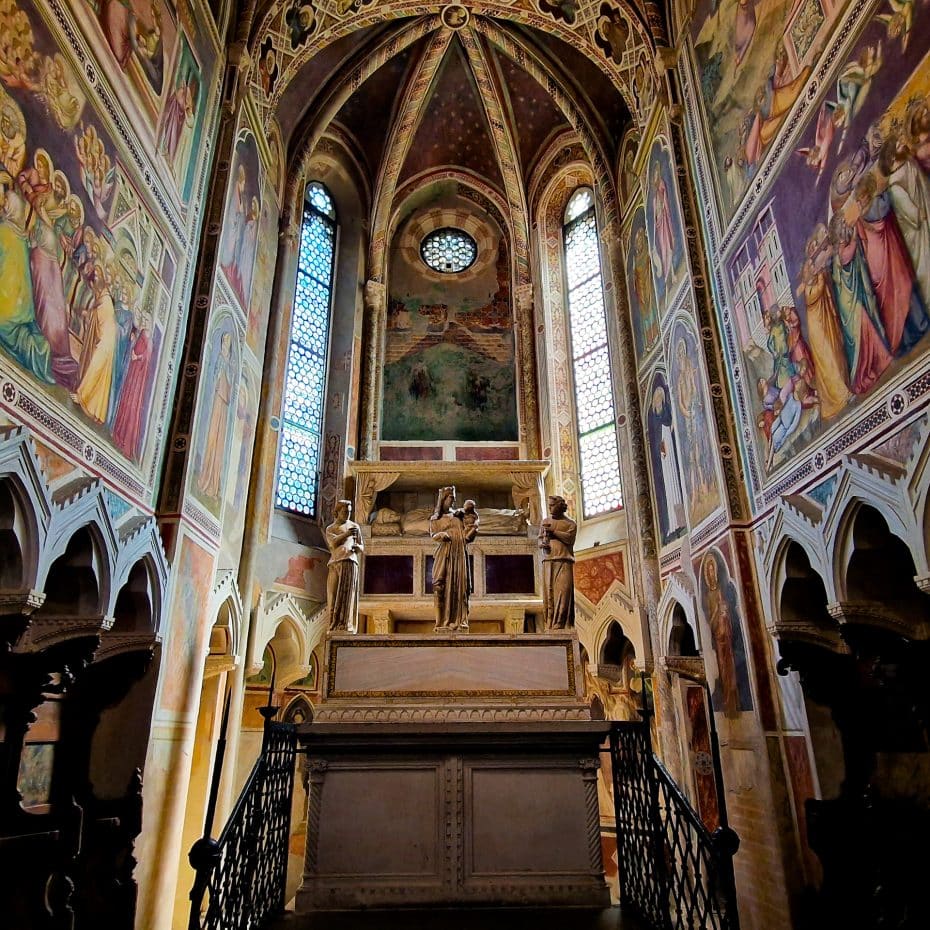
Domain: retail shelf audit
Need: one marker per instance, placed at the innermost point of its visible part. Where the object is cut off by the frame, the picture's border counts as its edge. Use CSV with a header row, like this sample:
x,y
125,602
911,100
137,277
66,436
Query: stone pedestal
x,y
451,771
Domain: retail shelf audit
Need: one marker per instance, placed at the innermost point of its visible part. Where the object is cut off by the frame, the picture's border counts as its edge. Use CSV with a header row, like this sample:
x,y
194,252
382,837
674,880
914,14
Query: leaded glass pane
x,y
600,478
581,250
592,383
587,318
305,380
448,250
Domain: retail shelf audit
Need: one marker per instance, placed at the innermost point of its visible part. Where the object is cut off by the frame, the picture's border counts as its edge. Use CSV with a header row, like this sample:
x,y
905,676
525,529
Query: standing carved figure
x,y
344,539
451,578
557,540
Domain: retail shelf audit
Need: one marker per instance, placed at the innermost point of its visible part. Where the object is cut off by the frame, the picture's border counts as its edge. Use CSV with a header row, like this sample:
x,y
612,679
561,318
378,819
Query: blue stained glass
x,y
594,404
305,380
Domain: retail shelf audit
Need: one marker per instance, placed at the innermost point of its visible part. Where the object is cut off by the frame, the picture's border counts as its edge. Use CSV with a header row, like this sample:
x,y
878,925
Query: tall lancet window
x,y
594,401
305,381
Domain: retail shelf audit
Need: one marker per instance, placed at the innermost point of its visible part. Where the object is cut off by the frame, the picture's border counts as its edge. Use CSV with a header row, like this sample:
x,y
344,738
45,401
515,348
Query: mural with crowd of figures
x,y
86,270
753,61
831,280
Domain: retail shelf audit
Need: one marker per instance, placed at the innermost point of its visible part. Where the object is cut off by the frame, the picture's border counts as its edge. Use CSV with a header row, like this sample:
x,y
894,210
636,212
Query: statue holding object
x,y
452,529
344,539
557,541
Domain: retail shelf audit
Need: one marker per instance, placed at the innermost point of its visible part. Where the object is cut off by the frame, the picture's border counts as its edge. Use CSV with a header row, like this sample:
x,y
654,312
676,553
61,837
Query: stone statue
x,y
557,540
344,538
452,581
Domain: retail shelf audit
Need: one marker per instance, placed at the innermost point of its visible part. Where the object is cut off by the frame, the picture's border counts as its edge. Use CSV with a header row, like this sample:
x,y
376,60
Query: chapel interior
x,y
464,464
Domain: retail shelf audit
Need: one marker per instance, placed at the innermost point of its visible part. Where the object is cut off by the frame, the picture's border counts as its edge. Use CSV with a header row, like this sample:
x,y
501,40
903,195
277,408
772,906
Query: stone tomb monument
x,y
452,759
451,770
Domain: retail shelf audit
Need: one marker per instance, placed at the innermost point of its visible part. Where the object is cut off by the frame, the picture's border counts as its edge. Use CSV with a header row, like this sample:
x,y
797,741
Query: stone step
x,y
511,918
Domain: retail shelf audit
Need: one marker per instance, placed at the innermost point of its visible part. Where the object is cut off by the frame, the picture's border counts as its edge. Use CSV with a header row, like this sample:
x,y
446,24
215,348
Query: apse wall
x,y
450,358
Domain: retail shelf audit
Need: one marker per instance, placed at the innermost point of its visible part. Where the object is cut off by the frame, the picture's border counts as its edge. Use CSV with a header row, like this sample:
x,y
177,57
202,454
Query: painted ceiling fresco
x,y
292,32
454,129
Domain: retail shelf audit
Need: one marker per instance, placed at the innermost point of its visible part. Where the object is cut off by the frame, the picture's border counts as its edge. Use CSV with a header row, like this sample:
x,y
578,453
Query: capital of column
x,y
374,296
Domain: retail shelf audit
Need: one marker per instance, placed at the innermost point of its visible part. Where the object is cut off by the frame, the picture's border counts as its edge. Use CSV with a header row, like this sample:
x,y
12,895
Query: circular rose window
x,y
448,250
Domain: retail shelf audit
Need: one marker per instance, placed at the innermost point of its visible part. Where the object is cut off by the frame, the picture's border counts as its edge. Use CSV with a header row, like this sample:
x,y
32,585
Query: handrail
x,y
674,873
240,878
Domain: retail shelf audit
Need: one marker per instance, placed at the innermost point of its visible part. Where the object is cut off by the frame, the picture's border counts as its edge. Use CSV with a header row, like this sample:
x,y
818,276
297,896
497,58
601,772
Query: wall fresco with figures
x,y
753,60
90,269
830,277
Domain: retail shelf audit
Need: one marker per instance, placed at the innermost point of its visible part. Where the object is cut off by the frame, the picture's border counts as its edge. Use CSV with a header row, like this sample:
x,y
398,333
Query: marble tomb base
x,y
477,786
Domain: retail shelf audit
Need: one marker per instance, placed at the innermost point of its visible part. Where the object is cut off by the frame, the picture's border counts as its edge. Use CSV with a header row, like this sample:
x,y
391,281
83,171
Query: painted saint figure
x,y
451,578
663,232
720,608
209,478
664,453
557,541
344,539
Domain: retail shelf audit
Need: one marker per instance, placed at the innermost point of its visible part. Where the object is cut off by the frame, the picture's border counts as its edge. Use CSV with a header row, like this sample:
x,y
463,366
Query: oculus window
x,y
305,379
448,250
594,403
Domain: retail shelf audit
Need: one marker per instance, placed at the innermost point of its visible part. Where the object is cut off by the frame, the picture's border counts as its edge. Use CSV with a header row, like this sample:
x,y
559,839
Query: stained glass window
x,y
594,403
305,380
448,250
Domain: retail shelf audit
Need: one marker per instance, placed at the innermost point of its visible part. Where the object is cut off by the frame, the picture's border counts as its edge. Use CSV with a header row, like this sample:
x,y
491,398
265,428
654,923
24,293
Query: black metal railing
x,y
674,873
241,877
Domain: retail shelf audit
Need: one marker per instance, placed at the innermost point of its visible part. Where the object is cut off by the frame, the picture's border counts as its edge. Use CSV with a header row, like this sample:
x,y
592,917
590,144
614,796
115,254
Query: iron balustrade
x,y
674,873
241,877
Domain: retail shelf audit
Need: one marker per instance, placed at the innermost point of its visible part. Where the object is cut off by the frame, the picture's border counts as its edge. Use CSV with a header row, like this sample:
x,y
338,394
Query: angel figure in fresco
x,y
56,91
18,59
899,21
210,474
853,86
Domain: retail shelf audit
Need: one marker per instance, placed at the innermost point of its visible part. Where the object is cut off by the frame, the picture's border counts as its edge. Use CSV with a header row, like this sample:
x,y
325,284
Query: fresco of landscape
x,y
449,361
831,284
